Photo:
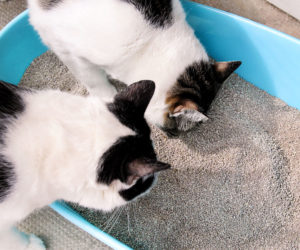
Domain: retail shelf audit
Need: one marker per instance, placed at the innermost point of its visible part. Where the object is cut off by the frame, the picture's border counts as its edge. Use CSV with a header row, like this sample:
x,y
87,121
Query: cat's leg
x,y
95,79
12,211
11,238
92,76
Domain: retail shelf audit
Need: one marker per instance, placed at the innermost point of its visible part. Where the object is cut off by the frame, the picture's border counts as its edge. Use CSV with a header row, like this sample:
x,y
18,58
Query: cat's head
x,y
130,164
191,96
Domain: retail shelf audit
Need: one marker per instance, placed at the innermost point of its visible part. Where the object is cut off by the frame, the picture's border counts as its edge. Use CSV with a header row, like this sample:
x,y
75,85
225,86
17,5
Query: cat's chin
x,y
110,207
169,132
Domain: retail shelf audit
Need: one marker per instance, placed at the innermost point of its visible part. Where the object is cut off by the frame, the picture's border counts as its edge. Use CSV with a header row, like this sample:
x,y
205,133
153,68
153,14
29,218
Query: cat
x,y
54,145
130,40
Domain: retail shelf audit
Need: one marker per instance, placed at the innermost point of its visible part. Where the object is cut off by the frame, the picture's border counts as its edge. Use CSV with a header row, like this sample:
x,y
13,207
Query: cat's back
x,y
45,113
108,25
117,28
30,116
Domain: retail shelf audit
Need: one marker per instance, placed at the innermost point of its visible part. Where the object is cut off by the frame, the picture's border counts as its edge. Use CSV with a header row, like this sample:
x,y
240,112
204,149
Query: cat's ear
x,y
188,118
143,167
137,95
223,70
187,115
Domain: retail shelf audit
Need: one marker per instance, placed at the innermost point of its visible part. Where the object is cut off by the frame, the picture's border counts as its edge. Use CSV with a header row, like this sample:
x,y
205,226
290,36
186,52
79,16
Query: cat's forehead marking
x,y
48,4
157,12
193,90
190,87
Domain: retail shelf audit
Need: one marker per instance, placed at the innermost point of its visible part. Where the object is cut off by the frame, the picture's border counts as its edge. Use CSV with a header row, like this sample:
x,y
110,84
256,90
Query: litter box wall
x,y
270,62
270,59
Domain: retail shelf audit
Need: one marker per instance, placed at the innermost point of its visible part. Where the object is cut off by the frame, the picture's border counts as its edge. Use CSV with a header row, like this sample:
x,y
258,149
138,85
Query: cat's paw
x,y
35,243
16,240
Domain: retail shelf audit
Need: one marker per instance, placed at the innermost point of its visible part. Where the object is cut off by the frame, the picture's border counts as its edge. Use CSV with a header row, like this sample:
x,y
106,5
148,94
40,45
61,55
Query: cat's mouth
x,y
170,132
169,126
142,186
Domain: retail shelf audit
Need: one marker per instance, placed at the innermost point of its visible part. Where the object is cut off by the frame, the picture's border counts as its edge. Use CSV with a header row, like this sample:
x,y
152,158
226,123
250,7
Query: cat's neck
x,y
163,56
163,59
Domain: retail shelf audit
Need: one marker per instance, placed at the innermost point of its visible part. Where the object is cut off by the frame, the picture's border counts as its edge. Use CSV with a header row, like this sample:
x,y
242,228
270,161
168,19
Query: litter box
x,y
271,61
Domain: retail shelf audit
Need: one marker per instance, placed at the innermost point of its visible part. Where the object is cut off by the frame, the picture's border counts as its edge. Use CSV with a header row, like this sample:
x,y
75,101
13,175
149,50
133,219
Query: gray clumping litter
x,y
47,72
234,182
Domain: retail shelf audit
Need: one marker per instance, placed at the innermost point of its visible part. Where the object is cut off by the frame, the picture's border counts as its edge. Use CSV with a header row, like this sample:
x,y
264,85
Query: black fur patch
x,y
194,90
199,84
140,187
157,12
114,162
129,107
7,177
11,104
49,4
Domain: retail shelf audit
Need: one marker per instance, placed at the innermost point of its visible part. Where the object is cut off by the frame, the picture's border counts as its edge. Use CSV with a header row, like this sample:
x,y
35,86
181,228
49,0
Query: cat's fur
x,y
131,40
55,145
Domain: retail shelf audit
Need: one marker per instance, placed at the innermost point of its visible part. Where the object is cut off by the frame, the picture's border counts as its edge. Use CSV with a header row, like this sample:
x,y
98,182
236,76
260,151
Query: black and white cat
x,y
131,40
54,145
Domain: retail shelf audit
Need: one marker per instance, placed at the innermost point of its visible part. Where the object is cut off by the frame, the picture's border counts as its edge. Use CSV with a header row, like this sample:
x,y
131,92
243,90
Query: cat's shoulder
x,y
157,12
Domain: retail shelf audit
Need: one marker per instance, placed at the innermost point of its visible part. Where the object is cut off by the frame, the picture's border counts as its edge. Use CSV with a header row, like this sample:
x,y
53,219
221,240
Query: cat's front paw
x,y
16,240
35,243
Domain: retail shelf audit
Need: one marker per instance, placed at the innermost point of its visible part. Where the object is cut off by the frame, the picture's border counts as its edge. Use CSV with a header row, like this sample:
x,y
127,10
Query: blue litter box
x,y
271,61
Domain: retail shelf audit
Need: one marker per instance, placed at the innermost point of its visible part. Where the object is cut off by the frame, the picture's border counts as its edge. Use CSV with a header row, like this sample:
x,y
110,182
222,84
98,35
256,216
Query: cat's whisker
x,y
110,217
111,220
116,219
128,219
134,209
107,223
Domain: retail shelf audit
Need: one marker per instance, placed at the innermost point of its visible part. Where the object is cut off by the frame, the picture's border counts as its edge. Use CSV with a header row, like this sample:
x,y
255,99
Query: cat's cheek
x,y
114,201
119,203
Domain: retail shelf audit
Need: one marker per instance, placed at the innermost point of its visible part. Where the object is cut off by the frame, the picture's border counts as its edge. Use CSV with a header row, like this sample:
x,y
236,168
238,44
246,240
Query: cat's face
x,y
191,96
131,160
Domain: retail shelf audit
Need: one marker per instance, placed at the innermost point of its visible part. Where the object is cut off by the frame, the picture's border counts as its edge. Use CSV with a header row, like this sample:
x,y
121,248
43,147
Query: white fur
x,y
95,37
187,118
55,147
